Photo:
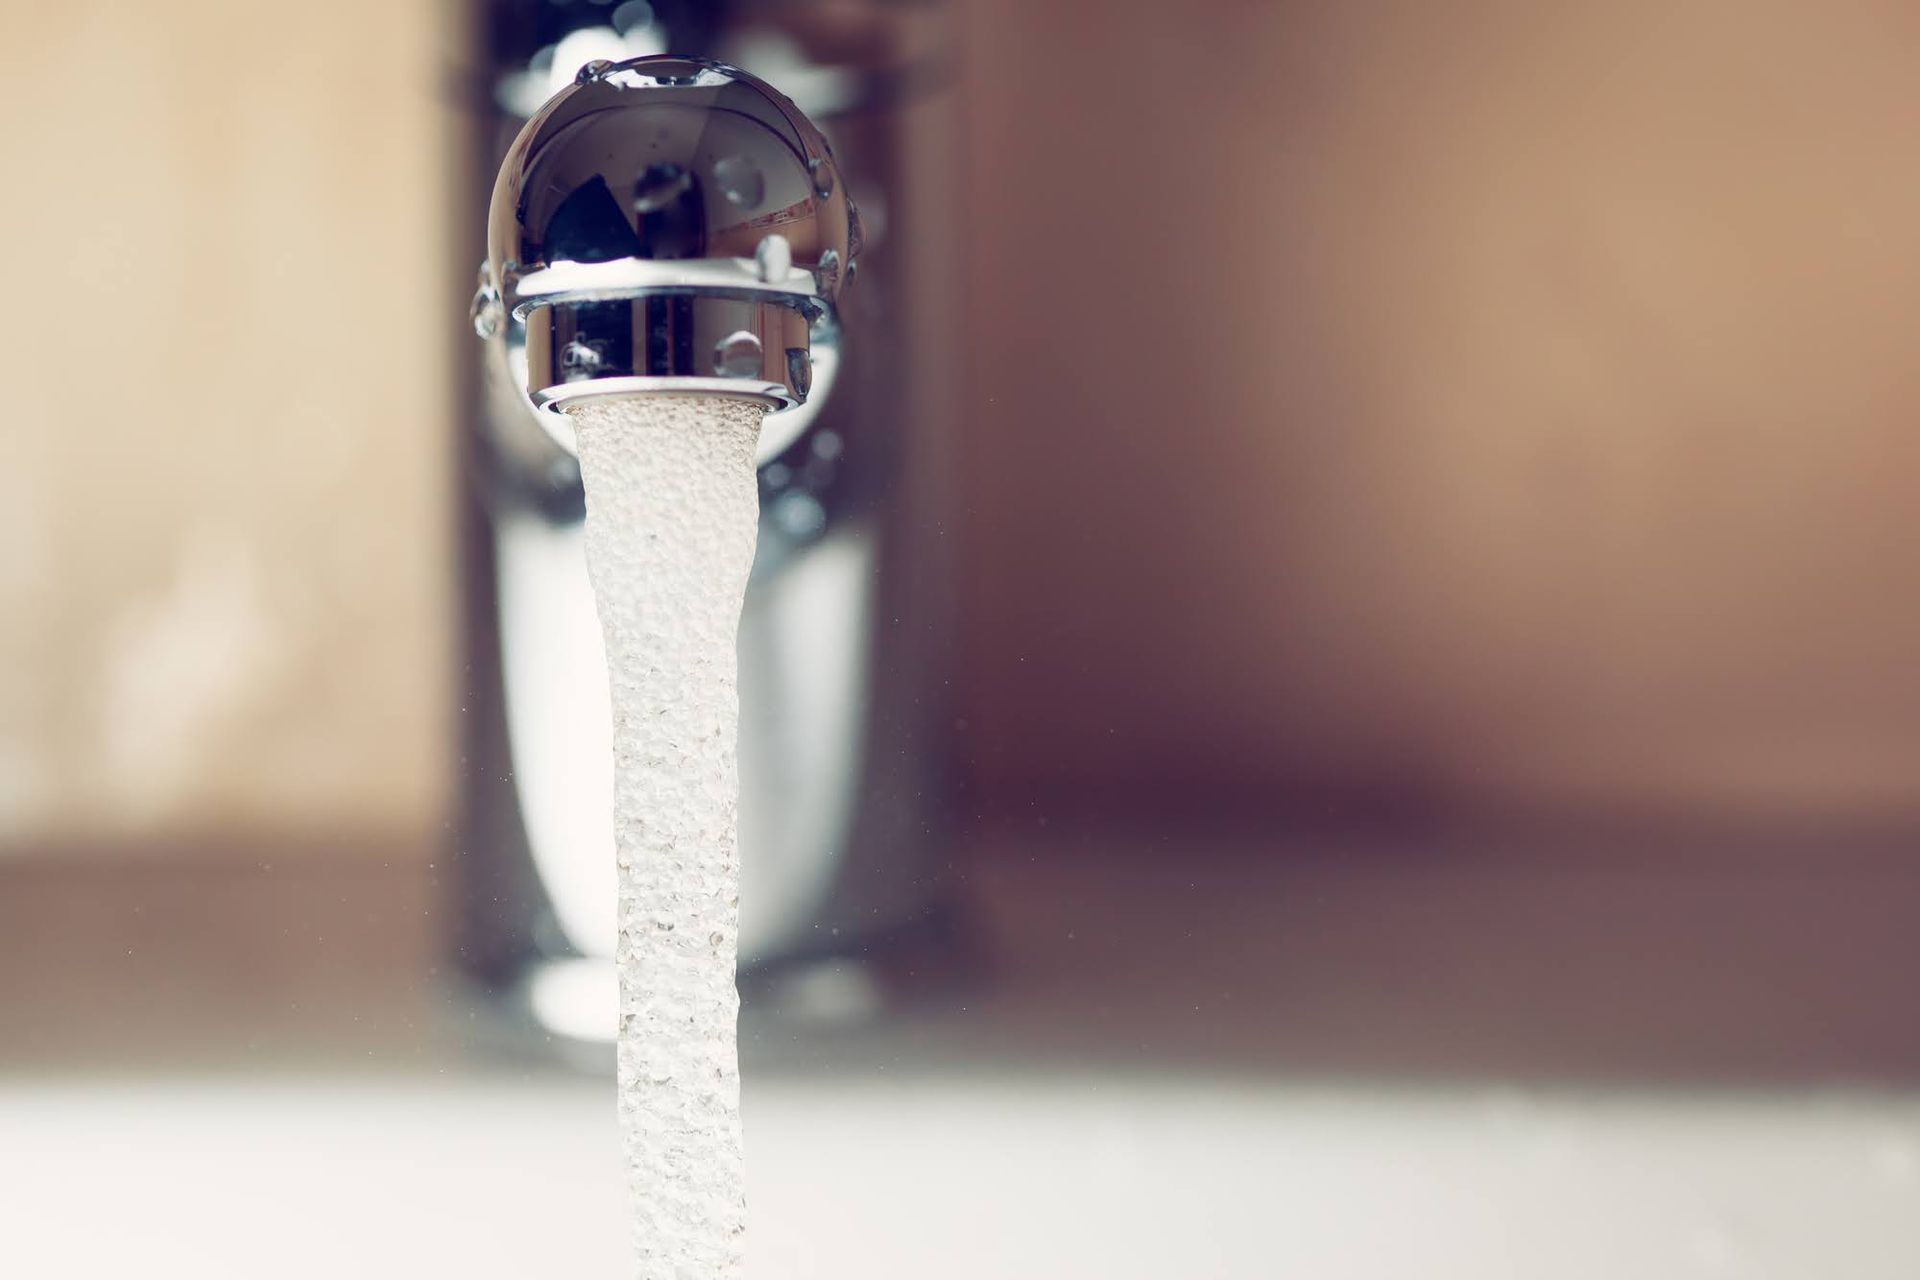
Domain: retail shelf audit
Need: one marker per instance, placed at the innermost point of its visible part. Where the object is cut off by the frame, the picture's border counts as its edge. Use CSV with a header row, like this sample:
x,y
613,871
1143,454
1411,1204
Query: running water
x,y
672,514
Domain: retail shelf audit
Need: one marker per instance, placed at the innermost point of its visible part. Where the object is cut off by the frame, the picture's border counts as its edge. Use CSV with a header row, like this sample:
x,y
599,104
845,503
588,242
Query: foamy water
x,y
672,510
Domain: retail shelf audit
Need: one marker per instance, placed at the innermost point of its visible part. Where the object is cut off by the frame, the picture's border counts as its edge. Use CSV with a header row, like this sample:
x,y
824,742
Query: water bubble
x,y
739,180
829,270
822,177
660,186
737,355
774,258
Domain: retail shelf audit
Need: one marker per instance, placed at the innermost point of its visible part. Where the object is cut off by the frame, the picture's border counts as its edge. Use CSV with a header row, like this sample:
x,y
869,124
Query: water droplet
x,y
660,186
634,13
856,234
739,180
829,271
580,359
591,71
800,371
737,355
822,177
799,515
485,311
774,258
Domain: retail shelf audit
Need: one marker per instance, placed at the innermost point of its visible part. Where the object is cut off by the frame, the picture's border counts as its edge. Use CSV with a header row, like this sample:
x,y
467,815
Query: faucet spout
x,y
668,224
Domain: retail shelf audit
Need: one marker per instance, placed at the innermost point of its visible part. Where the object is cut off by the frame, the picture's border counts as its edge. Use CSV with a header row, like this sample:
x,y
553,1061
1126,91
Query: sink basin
x,y
1044,1175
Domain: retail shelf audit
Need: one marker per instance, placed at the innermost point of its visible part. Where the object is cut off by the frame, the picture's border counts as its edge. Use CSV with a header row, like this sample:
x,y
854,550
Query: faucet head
x,y
665,224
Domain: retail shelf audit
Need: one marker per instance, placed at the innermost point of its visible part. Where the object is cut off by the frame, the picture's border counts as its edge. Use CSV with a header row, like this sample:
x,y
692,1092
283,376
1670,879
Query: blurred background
x,y
1343,676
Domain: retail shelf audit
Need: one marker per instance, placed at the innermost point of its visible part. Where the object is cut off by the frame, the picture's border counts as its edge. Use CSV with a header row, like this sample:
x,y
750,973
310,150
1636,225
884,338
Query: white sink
x,y
1049,1176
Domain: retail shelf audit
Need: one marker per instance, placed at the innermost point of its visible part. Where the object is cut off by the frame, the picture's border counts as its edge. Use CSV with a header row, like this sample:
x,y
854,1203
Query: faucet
x,y
667,223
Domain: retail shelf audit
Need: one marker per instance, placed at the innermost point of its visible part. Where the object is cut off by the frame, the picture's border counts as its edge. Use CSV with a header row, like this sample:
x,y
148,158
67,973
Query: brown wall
x,y
1506,404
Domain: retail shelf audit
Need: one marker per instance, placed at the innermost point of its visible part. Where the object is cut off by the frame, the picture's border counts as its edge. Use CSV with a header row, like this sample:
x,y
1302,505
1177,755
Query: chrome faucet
x,y
667,224
676,224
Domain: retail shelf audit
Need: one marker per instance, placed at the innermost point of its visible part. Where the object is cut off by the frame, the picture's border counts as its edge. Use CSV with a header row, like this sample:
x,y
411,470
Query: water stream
x,y
672,512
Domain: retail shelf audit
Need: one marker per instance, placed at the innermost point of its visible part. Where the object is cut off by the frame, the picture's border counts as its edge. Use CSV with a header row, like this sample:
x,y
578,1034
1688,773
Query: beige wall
x,y
224,531
1501,403
1497,403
